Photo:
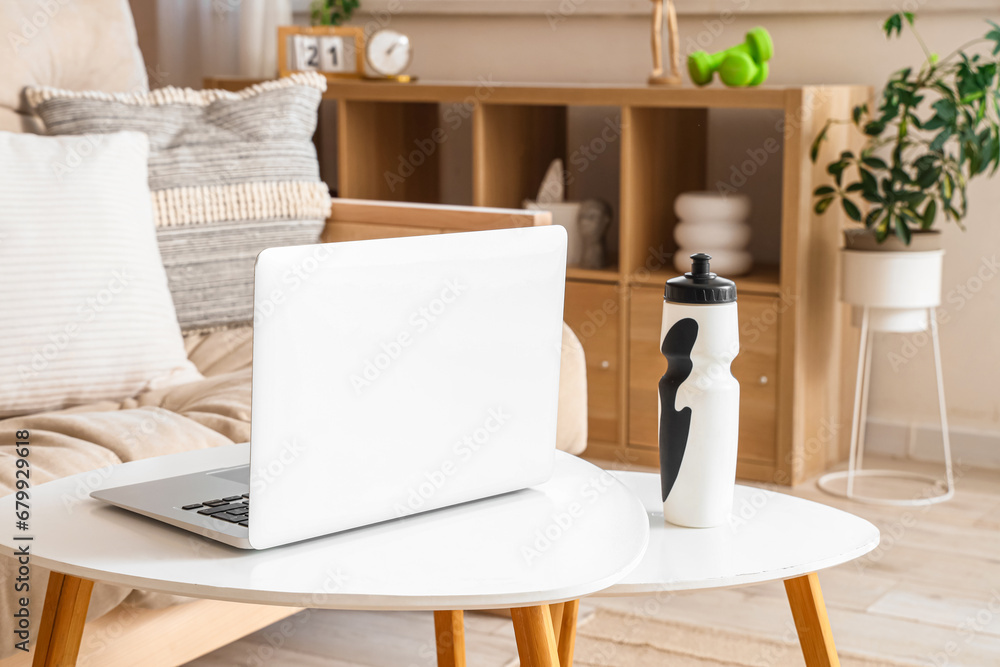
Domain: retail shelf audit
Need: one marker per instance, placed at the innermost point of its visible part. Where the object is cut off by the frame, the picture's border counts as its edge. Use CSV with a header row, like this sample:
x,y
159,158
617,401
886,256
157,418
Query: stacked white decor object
x,y
714,224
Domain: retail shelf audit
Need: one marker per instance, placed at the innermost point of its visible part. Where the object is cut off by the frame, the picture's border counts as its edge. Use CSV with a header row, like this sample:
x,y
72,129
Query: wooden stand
x,y
658,77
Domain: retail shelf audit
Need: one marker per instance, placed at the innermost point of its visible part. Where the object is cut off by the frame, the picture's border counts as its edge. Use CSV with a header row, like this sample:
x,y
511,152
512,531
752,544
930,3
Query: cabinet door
x,y
646,365
755,368
593,312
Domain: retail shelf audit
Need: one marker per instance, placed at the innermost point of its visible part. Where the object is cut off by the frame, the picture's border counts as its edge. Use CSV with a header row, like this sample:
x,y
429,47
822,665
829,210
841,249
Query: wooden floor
x,y
929,595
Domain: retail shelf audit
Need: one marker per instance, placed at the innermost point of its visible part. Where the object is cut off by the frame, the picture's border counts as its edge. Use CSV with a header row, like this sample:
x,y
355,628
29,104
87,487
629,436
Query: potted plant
x,y
935,129
331,12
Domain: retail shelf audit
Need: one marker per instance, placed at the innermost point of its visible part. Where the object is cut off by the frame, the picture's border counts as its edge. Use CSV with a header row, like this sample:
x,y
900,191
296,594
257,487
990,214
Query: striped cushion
x,y
86,313
218,255
231,174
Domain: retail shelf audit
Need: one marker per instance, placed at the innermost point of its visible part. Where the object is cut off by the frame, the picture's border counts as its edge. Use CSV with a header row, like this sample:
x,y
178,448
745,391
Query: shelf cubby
x,y
513,145
387,150
663,155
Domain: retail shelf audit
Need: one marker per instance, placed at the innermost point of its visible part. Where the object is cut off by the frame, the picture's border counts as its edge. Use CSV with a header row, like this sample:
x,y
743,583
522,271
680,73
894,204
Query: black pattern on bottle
x,y
675,425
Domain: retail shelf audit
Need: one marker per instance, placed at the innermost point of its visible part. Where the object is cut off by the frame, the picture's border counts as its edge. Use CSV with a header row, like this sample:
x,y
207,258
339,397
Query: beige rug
x,y
608,637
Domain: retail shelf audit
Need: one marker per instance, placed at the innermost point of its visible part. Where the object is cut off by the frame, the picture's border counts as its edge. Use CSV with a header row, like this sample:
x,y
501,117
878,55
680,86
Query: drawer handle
x,y
763,379
605,364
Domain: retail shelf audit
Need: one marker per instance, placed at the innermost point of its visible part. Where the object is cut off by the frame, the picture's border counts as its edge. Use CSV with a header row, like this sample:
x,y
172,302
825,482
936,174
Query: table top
x,y
576,534
771,536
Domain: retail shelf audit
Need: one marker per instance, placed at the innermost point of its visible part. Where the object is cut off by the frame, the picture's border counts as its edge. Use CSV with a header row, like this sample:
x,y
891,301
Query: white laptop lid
x,y
401,375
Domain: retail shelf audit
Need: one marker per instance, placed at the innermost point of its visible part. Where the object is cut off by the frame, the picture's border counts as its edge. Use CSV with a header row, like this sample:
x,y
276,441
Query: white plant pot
x,y
565,214
897,287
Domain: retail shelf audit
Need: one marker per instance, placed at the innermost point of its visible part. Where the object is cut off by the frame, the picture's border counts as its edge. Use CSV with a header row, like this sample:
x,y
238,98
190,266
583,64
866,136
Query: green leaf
x,y
823,190
902,230
946,109
910,215
909,17
950,213
851,209
935,123
873,215
822,205
929,177
875,162
859,111
994,36
929,214
870,185
874,128
899,175
882,229
855,187
893,23
836,169
941,139
814,149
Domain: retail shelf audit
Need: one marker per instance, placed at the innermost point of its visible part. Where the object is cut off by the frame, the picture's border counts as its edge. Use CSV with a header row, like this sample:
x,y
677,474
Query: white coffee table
x,y
772,537
575,535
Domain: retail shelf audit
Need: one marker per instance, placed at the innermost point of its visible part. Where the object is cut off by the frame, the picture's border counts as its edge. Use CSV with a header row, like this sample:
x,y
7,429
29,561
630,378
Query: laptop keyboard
x,y
234,509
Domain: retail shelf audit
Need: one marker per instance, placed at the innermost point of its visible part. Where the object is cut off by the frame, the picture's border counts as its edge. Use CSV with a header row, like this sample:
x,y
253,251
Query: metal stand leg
x,y
860,420
860,401
866,383
945,438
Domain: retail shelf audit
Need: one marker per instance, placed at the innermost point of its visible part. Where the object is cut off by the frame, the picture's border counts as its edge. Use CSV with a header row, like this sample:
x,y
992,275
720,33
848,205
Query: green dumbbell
x,y
742,65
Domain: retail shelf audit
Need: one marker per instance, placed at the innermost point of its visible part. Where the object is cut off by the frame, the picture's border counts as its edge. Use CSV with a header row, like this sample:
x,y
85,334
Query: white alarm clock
x,y
389,53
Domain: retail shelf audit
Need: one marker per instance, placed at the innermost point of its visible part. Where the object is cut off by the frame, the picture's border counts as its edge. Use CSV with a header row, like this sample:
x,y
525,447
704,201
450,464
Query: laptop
x,y
390,377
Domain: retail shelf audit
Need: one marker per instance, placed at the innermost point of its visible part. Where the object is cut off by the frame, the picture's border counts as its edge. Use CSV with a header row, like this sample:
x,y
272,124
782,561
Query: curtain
x,y
199,38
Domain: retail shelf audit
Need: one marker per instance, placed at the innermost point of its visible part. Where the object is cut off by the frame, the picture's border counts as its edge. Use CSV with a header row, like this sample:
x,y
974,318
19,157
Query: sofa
x,y
92,45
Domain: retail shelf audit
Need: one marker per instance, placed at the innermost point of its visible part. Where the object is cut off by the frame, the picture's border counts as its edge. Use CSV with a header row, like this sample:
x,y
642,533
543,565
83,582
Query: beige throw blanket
x,y
211,412
208,413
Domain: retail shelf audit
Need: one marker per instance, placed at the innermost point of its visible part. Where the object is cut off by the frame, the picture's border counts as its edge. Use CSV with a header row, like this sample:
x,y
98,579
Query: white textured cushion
x,y
74,44
85,313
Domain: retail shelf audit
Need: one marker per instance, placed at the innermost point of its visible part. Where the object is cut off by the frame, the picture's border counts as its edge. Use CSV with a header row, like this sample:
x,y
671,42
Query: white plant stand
x,y
912,308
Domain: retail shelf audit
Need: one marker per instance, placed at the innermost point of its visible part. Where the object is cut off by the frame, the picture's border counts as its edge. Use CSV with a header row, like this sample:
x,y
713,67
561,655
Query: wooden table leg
x,y
61,627
809,611
536,643
556,612
567,632
449,633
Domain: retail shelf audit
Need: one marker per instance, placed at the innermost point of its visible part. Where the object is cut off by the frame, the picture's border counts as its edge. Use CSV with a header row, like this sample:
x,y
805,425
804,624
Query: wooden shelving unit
x,y
789,317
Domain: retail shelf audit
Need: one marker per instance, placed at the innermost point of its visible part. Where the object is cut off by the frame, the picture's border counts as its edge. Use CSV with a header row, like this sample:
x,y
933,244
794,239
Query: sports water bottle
x,y
699,397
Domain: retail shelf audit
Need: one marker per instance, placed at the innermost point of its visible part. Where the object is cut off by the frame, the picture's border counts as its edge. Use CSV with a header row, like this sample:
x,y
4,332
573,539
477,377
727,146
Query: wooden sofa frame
x,y
128,636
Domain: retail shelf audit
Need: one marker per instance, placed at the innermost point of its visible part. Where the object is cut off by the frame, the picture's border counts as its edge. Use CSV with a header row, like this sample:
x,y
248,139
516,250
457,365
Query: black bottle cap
x,y
700,285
